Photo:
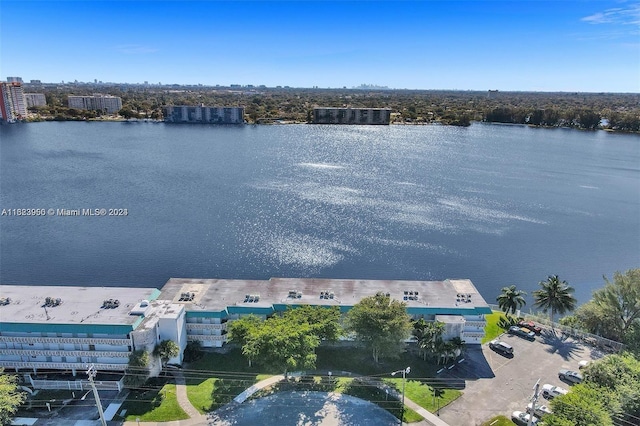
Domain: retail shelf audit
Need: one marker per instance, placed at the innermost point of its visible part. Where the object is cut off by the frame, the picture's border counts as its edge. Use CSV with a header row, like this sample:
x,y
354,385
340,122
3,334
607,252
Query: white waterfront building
x,y
35,99
203,114
96,102
327,115
69,328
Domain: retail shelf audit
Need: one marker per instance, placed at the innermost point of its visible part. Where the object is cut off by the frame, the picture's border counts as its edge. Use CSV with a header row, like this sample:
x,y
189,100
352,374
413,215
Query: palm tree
x,y
457,345
555,296
428,334
511,299
445,351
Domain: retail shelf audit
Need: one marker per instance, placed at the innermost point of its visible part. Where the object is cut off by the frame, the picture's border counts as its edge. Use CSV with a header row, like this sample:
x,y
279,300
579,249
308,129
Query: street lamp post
x,y
91,372
404,379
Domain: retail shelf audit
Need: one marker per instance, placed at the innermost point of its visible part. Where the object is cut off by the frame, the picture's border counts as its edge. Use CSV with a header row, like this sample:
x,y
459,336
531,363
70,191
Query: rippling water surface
x,y
500,205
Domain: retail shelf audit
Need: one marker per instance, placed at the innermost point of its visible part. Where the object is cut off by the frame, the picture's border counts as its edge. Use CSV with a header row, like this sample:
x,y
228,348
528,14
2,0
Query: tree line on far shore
x,y
611,111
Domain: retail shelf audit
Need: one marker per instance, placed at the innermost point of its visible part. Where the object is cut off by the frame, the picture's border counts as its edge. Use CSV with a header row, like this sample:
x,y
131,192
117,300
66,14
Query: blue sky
x,y
560,45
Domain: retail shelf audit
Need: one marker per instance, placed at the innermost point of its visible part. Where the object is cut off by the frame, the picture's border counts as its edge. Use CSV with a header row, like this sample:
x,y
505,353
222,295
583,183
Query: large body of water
x,y
497,204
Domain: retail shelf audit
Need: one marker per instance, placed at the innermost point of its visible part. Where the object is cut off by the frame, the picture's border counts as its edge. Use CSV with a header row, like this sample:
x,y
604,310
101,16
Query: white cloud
x,y
624,16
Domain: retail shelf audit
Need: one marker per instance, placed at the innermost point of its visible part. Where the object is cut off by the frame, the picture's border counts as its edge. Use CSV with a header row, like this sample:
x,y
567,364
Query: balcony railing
x,y
68,340
63,365
199,326
43,352
207,338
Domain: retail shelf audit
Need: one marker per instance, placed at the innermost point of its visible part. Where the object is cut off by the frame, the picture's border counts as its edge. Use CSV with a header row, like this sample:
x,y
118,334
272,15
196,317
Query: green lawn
x,y
217,378
224,377
214,392
498,421
360,361
157,403
422,394
491,330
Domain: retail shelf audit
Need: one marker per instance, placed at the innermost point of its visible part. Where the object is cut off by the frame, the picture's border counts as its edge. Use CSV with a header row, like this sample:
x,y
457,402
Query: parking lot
x,y
497,384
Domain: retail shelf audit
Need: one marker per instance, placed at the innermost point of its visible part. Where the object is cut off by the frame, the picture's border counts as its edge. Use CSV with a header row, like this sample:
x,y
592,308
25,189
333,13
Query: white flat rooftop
x,y
78,305
218,294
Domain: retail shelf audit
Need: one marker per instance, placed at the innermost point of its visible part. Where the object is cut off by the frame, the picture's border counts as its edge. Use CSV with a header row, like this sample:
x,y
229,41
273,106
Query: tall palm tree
x,y
555,296
511,299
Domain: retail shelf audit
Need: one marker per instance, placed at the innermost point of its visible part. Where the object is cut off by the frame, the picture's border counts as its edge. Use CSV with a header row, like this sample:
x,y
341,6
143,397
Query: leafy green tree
x,y
510,300
551,420
10,396
619,375
589,119
166,350
283,344
128,113
536,117
379,324
619,302
193,351
614,311
137,371
239,330
551,117
555,296
324,322
583,406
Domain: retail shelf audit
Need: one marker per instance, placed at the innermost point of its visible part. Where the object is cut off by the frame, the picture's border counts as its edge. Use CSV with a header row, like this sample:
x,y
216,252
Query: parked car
x,y
570,376
551,391
582,364
502,347
541,410
522,418
530,325
522,332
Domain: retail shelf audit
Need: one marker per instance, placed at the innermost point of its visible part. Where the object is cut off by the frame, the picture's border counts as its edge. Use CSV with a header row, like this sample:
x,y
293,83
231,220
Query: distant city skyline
x,y
565,46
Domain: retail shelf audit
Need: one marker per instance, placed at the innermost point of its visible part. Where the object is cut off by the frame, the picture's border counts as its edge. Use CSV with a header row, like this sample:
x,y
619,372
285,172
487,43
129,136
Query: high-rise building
x,y
35,99
13,105
97,102
203,114
351,115
15,80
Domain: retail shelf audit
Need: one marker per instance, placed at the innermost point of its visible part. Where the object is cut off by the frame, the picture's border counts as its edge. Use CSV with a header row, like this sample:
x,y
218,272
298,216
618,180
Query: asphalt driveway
x,y
496,384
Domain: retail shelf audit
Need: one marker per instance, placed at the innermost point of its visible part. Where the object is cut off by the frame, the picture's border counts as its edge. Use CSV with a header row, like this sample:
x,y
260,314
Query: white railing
x,y
67,340
62,365
200,326
79,385
207,337
40,352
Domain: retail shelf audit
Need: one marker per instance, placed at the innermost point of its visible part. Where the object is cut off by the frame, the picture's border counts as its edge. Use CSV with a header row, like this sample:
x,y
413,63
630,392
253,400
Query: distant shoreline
x,y
289,122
